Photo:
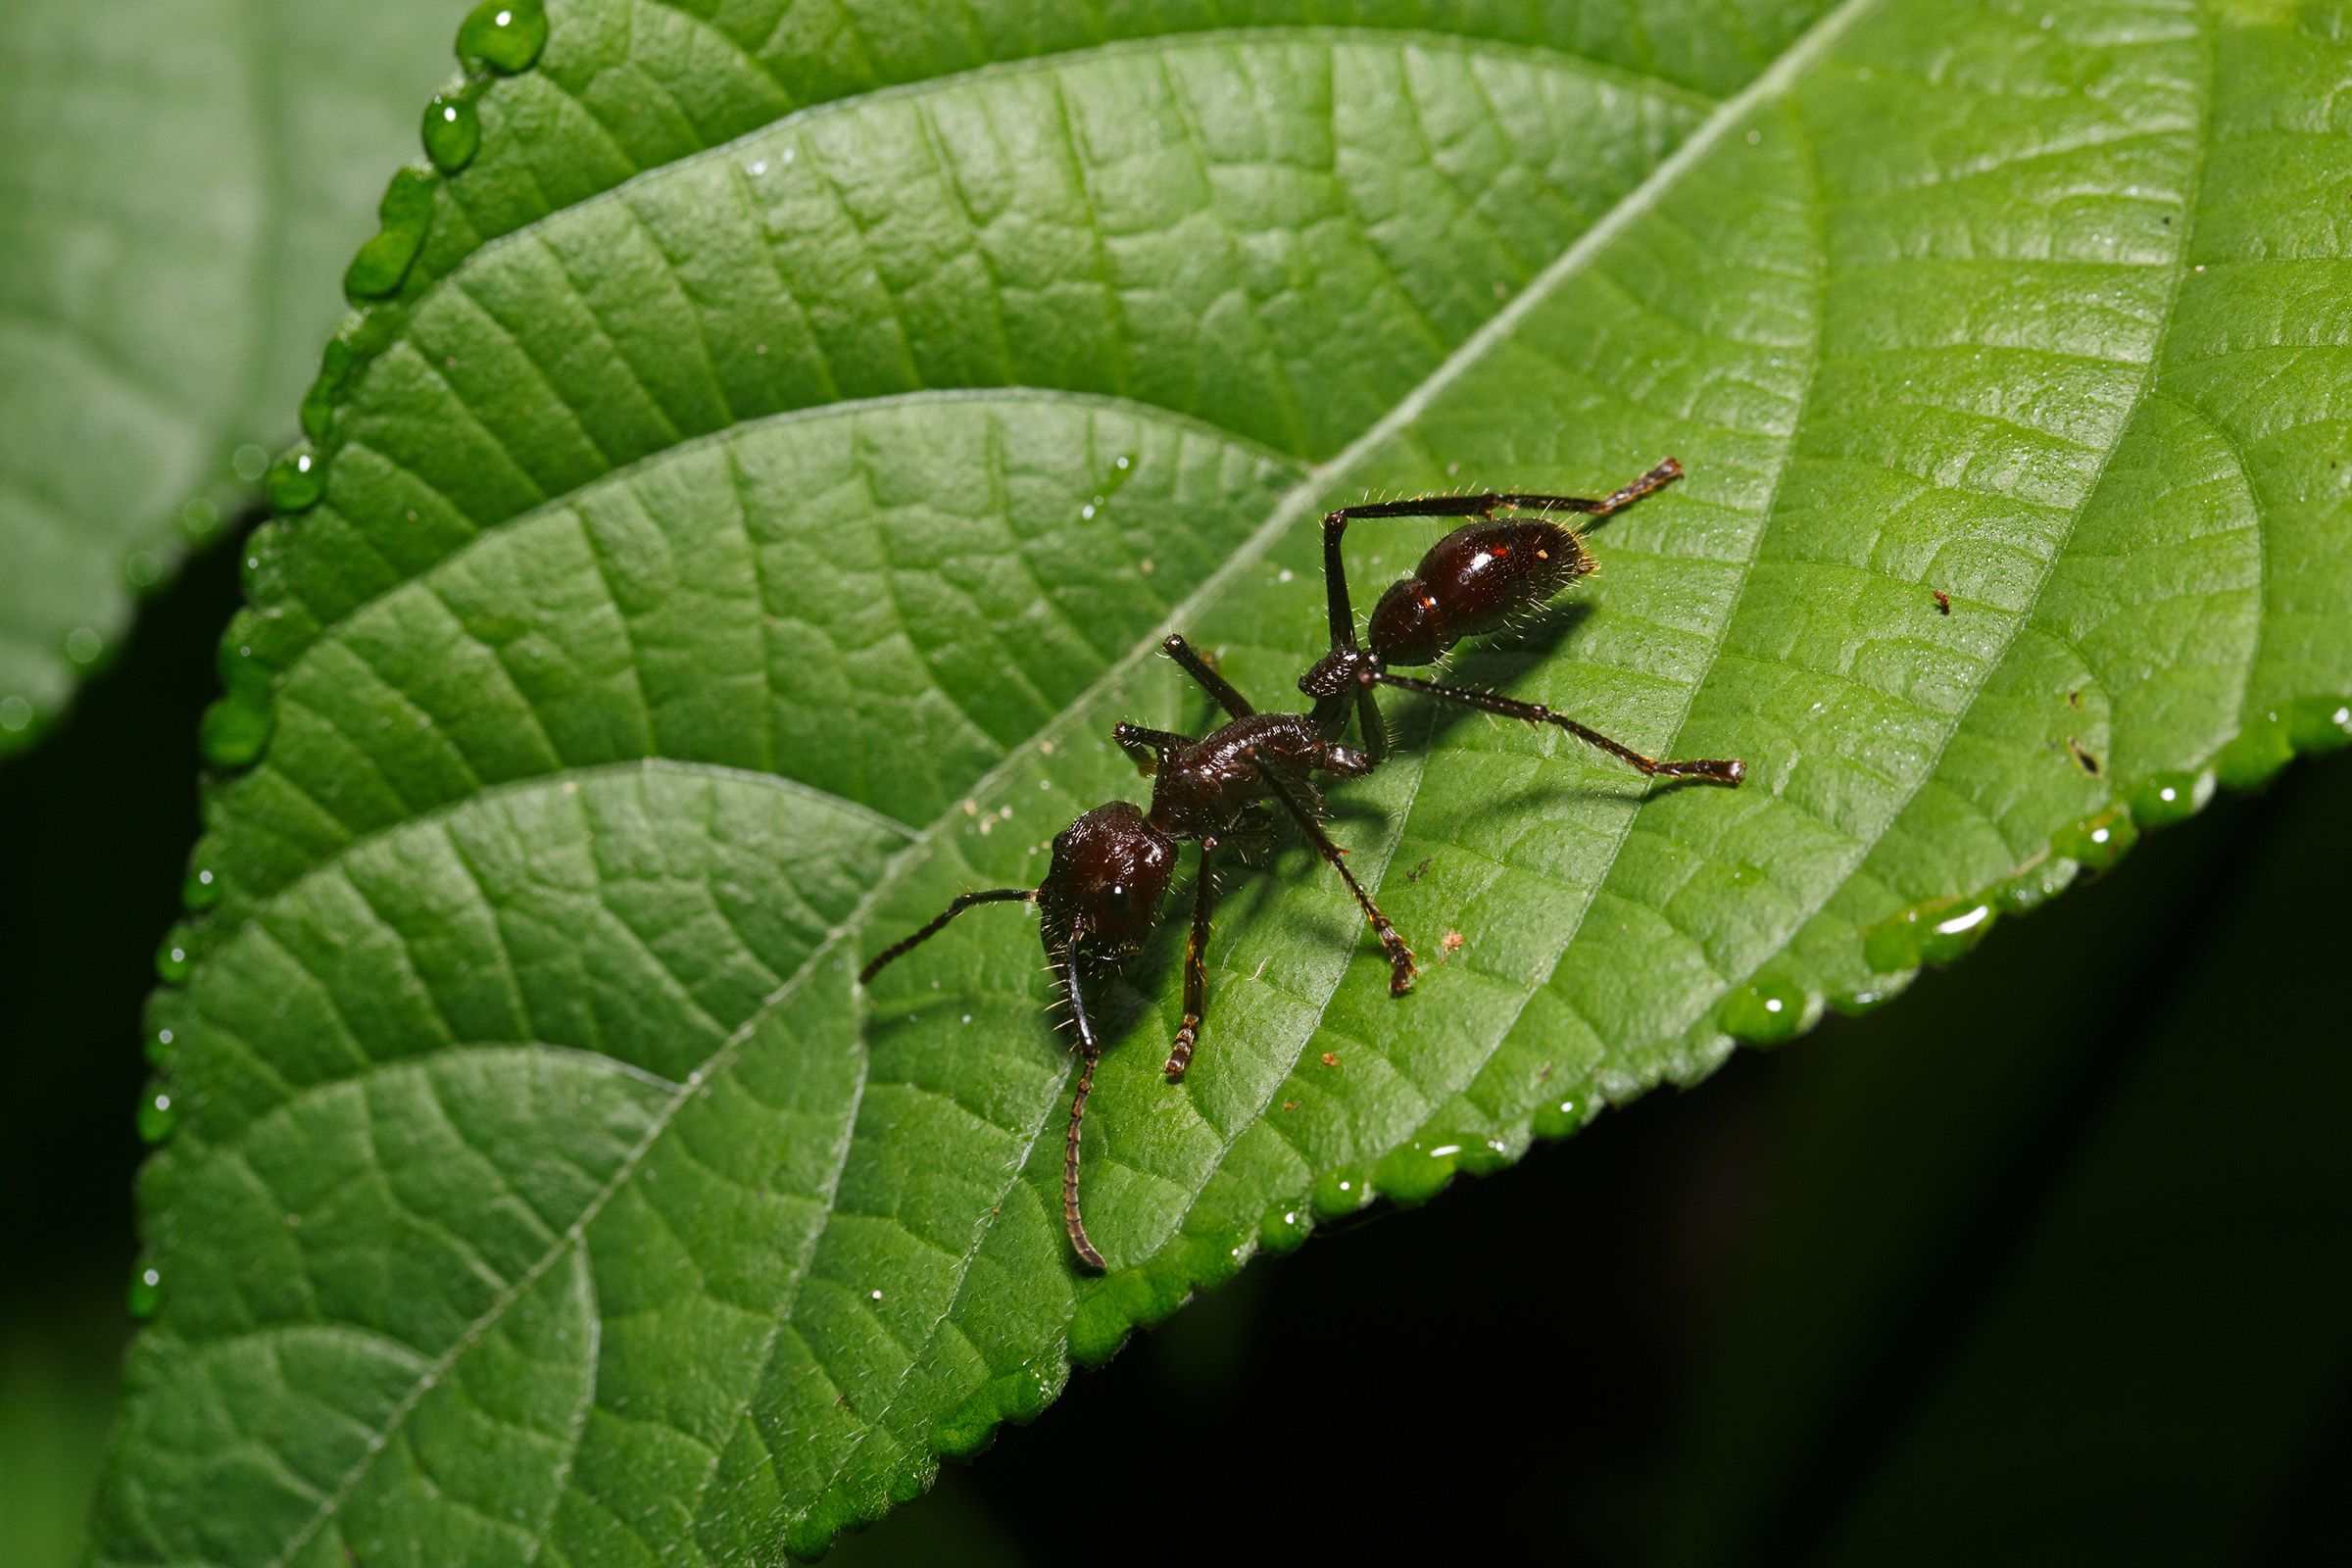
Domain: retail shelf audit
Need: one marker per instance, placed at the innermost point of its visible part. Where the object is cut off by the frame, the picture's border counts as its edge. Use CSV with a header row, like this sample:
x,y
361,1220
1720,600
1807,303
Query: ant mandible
x,y
1111,867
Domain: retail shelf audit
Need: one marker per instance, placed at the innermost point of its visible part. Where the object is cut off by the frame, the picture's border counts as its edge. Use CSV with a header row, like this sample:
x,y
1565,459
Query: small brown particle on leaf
x,y
1330,1060
2083,757
1143,566
1943,601
1415,875
1450,946
1290,1105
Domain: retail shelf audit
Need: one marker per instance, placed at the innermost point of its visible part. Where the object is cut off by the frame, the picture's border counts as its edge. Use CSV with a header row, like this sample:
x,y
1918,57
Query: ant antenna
x,y
964,902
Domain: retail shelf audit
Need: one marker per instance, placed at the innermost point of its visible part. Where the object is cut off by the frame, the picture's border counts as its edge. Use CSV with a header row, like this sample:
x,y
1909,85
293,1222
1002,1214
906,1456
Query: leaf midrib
x,y
1770,84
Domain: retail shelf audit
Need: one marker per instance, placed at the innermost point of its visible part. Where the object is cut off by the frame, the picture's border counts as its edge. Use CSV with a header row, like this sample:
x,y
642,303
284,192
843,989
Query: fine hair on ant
x,y
1111,867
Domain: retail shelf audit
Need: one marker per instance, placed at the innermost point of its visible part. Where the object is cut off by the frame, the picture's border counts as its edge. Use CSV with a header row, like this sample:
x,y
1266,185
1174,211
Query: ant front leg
x,y
1727,772
1400,957
1196,975
1133,738
1220,689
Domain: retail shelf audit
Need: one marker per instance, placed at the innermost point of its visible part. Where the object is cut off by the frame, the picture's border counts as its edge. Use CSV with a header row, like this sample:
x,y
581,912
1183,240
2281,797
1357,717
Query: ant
x,y
1111,867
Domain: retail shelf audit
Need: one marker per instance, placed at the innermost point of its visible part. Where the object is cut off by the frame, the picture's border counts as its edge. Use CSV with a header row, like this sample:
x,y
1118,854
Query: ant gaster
x,y
1111,867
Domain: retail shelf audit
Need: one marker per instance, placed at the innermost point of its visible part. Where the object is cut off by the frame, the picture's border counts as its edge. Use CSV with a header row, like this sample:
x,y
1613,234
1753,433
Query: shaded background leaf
x,y
181,184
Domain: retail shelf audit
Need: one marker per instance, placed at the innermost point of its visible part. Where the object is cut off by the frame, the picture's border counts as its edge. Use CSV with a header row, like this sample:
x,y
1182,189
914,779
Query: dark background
x,y
2050,1260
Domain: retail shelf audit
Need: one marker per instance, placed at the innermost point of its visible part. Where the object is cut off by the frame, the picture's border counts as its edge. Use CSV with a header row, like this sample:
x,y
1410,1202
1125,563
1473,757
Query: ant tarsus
x,y
1111,867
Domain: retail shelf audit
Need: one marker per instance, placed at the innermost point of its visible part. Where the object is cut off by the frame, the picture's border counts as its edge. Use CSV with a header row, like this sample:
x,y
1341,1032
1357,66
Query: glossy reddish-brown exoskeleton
x,y
1111,867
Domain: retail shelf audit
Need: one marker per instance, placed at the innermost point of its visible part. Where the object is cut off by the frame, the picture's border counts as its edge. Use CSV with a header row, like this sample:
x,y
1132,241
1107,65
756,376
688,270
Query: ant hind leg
x,y
1727,772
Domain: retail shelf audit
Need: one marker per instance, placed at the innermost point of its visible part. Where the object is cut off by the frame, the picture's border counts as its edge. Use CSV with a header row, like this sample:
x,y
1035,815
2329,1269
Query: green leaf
x,y
784,448
179,181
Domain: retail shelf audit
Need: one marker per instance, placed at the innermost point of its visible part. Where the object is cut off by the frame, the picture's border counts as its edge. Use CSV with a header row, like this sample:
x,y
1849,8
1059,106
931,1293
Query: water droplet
x,y
1891,946
1341,1192
1417,1172
146,1291
2254,758
1122,463
1766,1011
406,215
296,482
1747,876
158,1047
157,1118
2320,724
2036,885
2164,798
14,713
173,958
504,35
1955,930
202,889
1557,1118
234,733
451,129
250,463
1283,1229
2098,842
1087,512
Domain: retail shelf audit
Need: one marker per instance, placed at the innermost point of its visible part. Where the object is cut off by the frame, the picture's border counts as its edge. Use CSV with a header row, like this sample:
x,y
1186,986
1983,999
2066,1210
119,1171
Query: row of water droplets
x,y
1773,1007
498,38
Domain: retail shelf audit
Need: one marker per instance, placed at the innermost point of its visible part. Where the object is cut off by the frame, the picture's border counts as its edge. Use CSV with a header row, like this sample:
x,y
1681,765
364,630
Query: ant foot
x,y
1402,967
1180,1056
1728,772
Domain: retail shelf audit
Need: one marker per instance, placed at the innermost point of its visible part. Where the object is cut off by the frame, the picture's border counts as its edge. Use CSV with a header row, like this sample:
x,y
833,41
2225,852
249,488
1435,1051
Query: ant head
x,y
1109,875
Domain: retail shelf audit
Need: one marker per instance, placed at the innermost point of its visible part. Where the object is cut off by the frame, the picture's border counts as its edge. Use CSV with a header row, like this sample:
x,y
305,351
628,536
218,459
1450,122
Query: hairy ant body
x,y
1111,867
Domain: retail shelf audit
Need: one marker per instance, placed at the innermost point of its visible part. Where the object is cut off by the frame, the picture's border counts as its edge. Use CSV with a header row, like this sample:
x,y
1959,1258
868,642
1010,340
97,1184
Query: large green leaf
x,y
180,182
762,486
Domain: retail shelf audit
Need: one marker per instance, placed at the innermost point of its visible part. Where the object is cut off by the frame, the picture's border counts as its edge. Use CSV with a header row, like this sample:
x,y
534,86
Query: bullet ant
x,y
1111,867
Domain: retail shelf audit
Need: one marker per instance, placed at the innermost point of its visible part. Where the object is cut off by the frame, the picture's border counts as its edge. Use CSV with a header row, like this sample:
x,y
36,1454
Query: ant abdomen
x,y
1471,583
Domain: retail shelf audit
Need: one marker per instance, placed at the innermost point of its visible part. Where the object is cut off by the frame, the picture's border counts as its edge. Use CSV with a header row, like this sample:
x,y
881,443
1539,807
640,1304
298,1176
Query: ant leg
x,y
1065,970
964,902
1400,956
1651,483
1196,977
1161,741
1236,706
1727,772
